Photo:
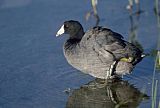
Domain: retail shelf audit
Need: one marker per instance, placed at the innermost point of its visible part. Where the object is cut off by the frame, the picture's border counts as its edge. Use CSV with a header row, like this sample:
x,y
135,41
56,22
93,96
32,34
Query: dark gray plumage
x,y
99,52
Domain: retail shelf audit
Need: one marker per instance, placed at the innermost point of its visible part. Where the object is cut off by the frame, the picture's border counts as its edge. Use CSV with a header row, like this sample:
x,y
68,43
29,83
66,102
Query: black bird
x,y
99,52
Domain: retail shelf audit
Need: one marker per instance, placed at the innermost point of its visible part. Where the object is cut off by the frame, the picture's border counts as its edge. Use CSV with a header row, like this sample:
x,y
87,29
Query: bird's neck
x,y
71,42
78,35
70,46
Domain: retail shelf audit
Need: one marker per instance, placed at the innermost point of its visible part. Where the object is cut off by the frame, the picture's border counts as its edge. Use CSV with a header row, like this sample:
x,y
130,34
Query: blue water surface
x,y
33,71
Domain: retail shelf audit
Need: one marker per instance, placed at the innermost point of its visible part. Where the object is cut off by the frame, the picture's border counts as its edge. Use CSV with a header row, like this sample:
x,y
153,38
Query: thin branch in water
x,y
93,12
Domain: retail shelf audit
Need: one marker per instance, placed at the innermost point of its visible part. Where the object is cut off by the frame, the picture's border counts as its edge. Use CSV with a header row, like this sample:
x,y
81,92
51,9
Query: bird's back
x,y
99,38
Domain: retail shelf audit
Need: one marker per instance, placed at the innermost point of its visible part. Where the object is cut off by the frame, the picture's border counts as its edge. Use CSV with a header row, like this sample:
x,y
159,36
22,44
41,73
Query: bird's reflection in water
x,y
114,94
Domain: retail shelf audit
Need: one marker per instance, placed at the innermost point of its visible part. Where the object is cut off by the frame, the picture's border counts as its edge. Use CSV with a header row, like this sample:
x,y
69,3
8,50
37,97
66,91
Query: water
x,y
33,70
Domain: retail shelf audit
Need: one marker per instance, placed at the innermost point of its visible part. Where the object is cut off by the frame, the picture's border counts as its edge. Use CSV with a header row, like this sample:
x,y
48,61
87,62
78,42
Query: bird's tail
x,y
144,55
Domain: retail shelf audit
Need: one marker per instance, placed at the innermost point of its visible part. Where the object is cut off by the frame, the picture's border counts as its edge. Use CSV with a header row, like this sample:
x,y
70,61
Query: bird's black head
x,y
73,28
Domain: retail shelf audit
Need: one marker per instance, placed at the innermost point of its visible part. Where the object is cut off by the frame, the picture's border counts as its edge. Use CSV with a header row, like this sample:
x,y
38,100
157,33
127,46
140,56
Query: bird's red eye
x,y
66,26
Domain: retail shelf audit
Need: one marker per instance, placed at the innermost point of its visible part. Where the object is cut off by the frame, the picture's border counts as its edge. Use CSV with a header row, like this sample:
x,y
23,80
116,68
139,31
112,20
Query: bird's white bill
x,y
60,31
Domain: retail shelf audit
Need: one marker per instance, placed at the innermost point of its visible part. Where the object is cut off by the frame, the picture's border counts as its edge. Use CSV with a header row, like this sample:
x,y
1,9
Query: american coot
x,y
99,52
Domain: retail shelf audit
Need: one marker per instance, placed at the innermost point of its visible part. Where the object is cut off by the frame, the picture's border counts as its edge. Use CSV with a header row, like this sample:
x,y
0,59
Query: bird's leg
x,y
111,70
